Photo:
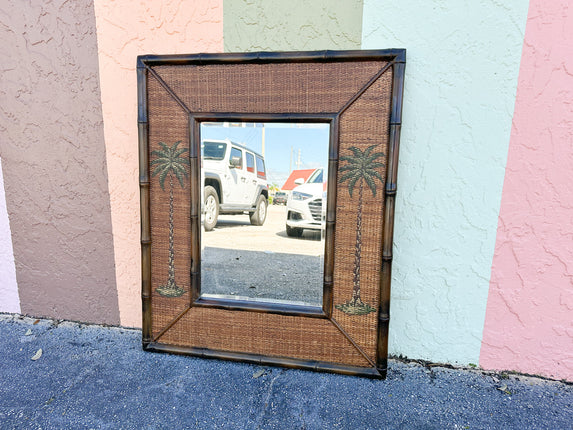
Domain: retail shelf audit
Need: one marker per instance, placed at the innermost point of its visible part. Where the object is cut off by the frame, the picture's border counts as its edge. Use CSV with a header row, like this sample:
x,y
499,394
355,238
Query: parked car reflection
x,y
306,206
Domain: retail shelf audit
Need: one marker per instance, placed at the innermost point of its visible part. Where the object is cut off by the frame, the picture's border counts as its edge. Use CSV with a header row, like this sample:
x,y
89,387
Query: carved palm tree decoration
x,y
360,168
169,162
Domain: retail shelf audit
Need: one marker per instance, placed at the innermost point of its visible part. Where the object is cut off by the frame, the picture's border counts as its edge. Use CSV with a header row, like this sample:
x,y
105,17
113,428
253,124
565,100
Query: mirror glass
x,y
263,211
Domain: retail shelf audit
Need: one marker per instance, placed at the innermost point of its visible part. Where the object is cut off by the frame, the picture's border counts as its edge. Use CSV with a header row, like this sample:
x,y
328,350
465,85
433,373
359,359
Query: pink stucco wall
x,y
126,29
529,318
53,160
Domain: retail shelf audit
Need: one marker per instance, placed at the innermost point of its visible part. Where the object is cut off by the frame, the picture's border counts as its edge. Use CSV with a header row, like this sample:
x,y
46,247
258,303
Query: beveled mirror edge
x,y
397,57
264,307
195,120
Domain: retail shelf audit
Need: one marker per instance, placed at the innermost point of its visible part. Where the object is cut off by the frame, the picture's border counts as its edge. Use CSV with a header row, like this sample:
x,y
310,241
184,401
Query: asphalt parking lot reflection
x,y
240,259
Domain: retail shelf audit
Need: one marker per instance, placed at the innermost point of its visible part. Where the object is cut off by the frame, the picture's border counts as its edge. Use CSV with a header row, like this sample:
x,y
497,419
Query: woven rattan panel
x,y
268,88
264,334
363,125
168,124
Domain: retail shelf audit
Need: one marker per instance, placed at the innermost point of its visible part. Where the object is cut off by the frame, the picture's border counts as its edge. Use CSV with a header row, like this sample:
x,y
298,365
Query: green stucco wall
x,y
297,25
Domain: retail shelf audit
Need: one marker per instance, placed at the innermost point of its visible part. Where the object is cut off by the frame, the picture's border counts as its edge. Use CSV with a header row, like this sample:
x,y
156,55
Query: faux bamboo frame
x,y
191,336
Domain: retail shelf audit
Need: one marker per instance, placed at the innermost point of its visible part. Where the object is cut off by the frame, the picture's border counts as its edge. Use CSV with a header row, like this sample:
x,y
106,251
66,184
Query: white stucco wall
x,y
9,299
461,78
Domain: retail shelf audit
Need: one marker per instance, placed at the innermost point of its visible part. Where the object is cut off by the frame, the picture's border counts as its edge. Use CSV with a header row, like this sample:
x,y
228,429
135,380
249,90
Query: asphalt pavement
x,y
267,275
94,377
262,262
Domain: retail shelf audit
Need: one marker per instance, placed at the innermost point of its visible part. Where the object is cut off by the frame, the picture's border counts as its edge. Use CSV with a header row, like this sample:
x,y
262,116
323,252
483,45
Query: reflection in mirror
x,y
264,211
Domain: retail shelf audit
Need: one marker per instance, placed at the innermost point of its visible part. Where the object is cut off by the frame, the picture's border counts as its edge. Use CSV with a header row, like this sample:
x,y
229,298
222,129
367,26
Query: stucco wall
x,y
60,140
295,25
529,324
125,30
461,78
54,161
9,298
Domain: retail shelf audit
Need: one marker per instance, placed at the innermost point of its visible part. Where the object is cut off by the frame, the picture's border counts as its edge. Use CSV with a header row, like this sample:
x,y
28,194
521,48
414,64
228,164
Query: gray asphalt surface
x,y
98,377
269,275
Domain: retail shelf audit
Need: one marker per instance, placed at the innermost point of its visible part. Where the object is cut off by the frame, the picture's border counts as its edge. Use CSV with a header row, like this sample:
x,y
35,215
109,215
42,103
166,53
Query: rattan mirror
x,y
358,96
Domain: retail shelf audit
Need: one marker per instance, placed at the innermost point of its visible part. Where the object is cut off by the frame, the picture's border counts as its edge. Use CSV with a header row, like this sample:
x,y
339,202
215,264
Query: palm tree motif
x,y
169,162
360,168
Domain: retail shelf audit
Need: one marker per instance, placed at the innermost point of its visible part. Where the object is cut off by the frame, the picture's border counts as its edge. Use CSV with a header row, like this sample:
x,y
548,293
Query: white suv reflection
x,y
306,206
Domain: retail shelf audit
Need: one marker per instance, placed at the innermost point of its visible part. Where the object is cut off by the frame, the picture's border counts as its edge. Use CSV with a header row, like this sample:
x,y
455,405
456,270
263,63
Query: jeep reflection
x,y
234,181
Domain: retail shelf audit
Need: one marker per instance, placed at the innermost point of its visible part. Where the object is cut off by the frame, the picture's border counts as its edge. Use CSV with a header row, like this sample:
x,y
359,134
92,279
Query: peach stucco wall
x,y
529,317
126,29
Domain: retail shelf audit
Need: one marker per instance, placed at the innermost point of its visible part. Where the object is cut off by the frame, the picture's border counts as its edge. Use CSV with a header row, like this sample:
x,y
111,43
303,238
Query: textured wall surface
x,y
461,77
529,320
125,30
54,160
295,25
58,257
9,299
